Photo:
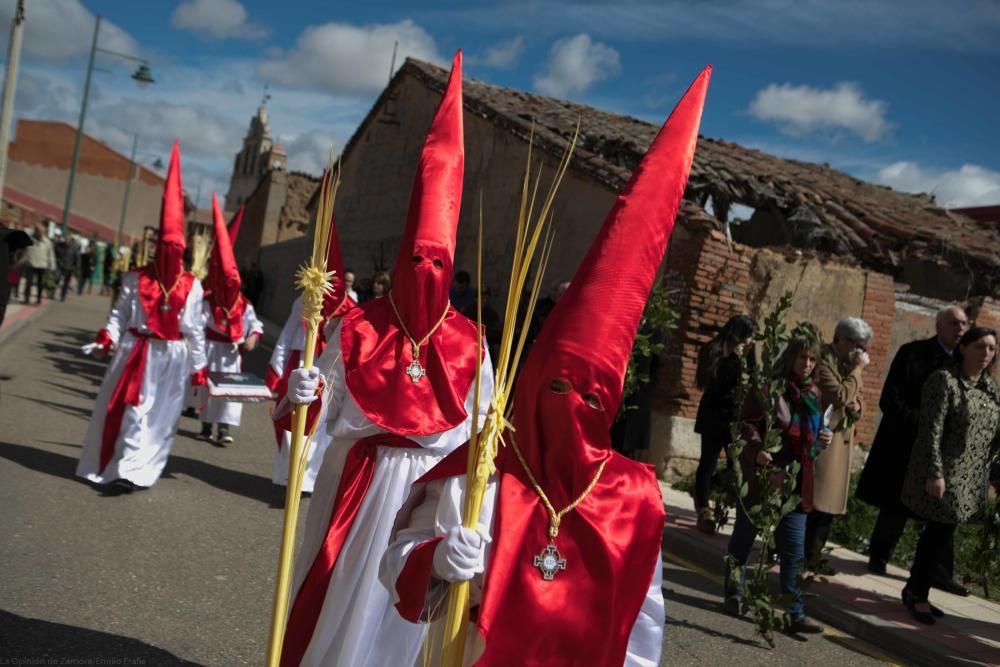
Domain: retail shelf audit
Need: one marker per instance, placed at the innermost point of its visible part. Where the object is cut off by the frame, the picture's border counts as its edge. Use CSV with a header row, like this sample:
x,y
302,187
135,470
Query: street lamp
x,y
132,173
142,76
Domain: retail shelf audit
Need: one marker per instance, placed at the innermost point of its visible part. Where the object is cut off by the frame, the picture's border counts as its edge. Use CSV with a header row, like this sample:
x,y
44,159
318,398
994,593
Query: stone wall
x,y
378,172
278,262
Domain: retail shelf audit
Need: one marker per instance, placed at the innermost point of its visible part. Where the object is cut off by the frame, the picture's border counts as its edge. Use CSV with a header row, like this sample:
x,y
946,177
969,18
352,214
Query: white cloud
x,y
970,185
310,150
346,59
57,30
575,64
216,18
800,110
502,55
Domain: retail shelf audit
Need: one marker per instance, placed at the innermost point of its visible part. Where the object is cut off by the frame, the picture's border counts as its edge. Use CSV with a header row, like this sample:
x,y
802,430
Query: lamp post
x,y
132,173
142,76
10,84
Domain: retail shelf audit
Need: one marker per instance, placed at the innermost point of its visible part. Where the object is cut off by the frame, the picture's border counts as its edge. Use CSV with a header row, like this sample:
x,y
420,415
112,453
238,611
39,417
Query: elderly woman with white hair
x,y
838,376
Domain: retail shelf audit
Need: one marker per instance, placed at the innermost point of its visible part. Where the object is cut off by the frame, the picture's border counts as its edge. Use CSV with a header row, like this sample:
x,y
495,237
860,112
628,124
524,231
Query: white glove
x,y
303,384
90,348
459,556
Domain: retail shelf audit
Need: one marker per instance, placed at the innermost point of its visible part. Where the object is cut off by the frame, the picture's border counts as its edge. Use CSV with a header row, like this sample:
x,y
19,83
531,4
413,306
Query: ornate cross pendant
x,y
550,561
415,371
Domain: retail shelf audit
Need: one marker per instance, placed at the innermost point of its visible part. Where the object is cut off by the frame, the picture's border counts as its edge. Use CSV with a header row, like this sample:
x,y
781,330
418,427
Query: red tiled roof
x,y
77,223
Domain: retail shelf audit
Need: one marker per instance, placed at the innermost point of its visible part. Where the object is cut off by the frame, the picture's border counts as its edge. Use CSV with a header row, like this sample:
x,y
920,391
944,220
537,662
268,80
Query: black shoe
x,y
910,599
206,432
801,625
950,586
925,617
876,566
224,438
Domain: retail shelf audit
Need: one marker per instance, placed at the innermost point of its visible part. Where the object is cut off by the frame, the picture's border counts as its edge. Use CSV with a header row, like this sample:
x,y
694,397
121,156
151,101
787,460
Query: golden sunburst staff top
x,y
315,282
484,446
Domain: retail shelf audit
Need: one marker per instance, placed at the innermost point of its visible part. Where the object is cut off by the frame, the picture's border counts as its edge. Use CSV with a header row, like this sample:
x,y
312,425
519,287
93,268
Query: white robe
x,y
148,429
436,507
358,624
226,357
293,337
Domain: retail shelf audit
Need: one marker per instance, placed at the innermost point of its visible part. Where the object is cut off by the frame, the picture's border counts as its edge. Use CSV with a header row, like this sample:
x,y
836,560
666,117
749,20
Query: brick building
x,y
38,165
842,246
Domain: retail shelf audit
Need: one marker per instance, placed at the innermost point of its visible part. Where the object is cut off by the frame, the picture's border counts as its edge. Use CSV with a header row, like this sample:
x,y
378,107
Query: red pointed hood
x,y
170,250
223,280
377,352
234,226
424,267
587,339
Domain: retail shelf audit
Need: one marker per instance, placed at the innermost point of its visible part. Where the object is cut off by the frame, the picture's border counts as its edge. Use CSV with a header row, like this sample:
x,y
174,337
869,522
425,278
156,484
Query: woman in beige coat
x,y
838,376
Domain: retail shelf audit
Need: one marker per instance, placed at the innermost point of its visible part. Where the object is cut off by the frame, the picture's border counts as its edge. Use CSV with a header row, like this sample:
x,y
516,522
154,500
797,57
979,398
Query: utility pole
x,y
128,184
10,84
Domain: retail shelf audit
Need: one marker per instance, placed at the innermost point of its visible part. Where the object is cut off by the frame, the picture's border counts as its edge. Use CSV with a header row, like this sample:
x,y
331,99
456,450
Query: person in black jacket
x,y
881,480
717,375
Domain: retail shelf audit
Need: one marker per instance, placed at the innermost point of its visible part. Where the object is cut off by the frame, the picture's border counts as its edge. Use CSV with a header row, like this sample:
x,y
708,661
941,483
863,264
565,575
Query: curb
x,y
15,325
903,643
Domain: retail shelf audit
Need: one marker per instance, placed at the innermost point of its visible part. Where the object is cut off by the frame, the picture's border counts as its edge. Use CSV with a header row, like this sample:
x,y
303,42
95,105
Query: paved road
x,y
183,573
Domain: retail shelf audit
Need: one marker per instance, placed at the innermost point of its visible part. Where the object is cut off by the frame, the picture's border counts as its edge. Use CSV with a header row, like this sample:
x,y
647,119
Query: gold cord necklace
x,y
165,306
415,371
550,561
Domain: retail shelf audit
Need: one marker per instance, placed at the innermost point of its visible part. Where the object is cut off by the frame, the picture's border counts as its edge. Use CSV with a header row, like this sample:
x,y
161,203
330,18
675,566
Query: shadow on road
x,y
244,484
68,389
34,641
71,410
50,463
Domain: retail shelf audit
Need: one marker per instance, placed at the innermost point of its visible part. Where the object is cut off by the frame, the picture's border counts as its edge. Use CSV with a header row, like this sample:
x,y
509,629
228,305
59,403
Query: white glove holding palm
x,y
303,385
460,555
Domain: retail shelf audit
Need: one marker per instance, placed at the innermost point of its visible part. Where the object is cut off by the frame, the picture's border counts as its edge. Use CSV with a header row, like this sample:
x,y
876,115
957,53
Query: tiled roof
x,y
874,224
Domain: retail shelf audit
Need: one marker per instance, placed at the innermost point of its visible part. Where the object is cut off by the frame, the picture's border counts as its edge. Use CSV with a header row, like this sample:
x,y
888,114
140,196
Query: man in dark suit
x,y
881,480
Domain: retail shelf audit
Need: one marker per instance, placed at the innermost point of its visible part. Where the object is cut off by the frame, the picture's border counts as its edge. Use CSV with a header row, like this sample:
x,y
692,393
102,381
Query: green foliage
x,y
659,320
765,385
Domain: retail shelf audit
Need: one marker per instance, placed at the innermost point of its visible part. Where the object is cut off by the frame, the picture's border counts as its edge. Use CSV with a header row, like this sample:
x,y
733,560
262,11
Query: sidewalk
x,y
859,603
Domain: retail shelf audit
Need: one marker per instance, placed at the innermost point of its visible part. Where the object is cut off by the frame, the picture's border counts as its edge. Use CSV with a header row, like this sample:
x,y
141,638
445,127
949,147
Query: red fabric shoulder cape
x,y
376,353
165,325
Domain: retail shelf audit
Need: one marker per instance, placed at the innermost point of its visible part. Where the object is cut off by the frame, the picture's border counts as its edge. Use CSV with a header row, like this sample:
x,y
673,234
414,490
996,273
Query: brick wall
x,y
713,281
879,311
710,281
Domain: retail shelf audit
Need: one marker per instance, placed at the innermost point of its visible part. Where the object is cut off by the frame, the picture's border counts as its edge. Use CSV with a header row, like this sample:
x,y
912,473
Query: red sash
x,y
126,393
355,480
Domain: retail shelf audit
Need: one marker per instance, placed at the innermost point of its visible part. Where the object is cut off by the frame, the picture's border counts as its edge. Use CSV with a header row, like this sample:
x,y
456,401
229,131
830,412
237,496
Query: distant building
x,y
38,165
259,156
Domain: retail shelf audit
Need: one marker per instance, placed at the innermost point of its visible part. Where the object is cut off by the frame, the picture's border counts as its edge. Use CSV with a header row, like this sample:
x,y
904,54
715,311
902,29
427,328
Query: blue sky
x,y
903,93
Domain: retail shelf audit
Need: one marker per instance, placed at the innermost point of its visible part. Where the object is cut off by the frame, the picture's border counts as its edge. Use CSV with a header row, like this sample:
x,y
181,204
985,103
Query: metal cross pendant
x,y
165,306
549,562
415,371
